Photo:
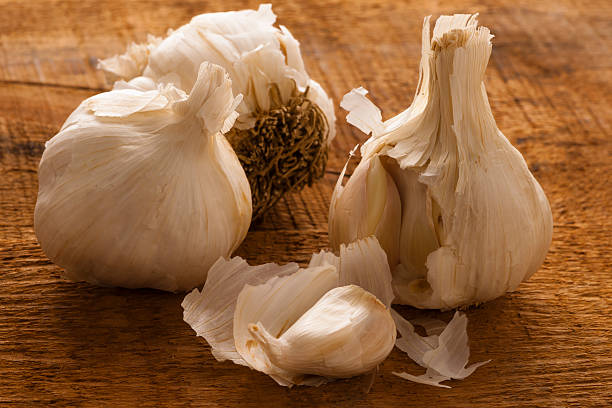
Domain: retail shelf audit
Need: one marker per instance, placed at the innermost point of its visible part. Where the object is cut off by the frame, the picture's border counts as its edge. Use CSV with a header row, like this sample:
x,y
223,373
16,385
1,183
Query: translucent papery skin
x,y
140,188
475,222
254,52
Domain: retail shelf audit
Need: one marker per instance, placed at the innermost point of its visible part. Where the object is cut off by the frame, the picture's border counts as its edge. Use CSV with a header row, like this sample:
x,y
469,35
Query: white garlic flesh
x,y
141,189
299,326
474,221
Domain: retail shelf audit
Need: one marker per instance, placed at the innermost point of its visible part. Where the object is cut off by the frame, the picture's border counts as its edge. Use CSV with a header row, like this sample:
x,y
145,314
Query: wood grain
x,y
548,80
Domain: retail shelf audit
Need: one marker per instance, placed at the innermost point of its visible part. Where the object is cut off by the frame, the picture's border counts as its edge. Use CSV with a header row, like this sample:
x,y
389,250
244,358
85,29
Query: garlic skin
x,y
141,189
289,111
444,352
275,298
324,339
475,222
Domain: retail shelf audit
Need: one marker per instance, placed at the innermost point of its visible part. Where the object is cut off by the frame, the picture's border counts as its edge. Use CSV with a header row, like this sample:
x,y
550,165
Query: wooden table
x,y
548,80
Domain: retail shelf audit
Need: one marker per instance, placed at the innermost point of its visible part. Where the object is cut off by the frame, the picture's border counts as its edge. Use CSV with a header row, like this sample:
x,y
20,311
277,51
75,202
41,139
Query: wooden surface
x,y
549,85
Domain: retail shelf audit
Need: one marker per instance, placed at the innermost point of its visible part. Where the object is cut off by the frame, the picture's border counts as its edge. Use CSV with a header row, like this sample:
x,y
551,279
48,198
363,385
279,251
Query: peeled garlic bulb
x,y
286,121
141,189
324,340
474,221
300,326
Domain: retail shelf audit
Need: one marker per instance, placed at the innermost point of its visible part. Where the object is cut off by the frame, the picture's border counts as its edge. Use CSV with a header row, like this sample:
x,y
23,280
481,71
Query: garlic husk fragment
x,y
210,312
141,189
283,301
474,221
362,263
444,352
286,120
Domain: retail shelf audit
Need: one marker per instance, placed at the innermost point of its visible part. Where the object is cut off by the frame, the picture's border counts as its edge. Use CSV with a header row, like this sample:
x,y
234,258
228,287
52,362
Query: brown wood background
x,y
549,85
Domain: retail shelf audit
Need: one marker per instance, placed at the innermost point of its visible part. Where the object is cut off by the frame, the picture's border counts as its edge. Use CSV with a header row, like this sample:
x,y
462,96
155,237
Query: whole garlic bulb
x,y
141,189
286,121
474,221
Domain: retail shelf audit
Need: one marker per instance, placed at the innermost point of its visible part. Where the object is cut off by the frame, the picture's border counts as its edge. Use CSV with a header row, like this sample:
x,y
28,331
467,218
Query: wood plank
x,y
549,85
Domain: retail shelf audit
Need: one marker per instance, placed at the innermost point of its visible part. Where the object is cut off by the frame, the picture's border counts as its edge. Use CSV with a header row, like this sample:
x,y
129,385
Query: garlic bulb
x,y
300,326
286,121
141,189
474,221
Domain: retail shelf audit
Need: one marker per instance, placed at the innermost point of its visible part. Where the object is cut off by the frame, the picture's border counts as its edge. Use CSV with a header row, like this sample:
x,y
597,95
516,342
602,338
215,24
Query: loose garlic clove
x,y
475,222
237,296
346,333
141,189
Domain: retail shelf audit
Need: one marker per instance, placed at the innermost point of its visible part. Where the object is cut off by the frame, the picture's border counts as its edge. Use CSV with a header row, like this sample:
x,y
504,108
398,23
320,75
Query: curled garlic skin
x,y
474,221
140,188
444,352
299,326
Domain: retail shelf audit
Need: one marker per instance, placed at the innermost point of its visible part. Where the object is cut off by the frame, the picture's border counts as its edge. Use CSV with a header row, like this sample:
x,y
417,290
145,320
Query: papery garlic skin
x,y
475,222
141,189
444,352
346,333
210,312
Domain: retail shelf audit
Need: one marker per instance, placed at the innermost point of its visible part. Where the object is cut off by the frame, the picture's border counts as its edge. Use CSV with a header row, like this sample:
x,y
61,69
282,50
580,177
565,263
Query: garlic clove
x,y
237,296
346,333
277,304
127,192
368,205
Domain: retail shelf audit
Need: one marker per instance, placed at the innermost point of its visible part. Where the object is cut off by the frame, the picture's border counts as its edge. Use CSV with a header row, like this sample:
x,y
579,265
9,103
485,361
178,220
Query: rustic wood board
x,y
548,80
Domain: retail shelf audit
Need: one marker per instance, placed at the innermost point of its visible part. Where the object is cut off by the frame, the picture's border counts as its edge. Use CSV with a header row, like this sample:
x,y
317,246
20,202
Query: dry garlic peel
x,y
141,189
444,352
362,263
278,308
474,221
210,312
286,120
